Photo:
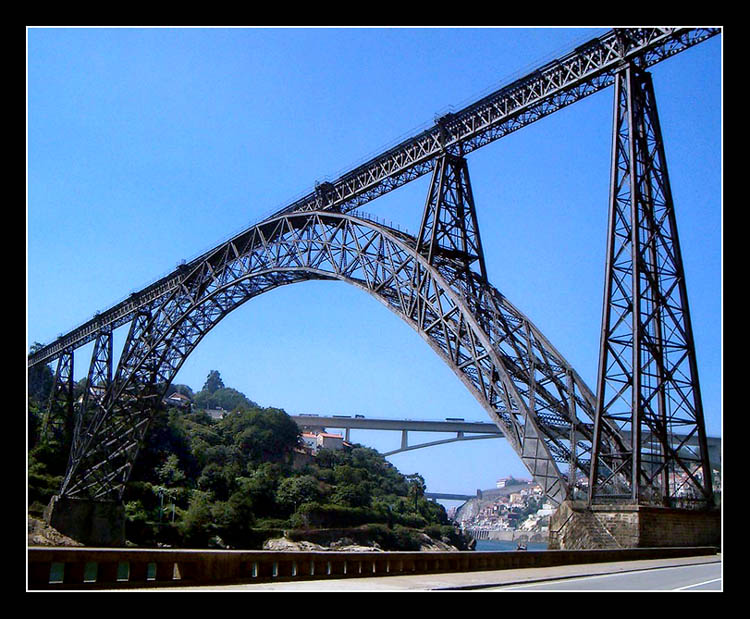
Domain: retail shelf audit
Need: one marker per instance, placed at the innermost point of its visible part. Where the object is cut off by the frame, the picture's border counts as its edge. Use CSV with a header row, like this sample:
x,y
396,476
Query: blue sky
x,y
150,146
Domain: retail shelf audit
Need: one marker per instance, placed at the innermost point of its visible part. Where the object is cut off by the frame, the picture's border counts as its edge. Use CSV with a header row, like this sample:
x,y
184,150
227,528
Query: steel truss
x,y
648,380
436,282
585,71
523,383
59,412
533,395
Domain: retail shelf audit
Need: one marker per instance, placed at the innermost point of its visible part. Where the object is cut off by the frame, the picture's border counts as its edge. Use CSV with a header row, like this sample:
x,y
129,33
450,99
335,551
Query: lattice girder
x,y
524,384
648,384
582,72
58,416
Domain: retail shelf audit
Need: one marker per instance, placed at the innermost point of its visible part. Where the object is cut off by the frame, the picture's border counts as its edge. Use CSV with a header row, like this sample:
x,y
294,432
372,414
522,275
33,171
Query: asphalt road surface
x,y
706,577
700,573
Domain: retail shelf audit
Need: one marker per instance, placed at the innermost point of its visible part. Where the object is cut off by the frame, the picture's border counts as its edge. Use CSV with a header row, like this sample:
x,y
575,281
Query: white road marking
x,y
698,584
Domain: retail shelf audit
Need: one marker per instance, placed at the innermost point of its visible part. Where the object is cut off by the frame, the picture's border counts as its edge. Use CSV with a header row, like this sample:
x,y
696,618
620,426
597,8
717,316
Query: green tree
x,y
213,382
417,488
352,495
260,489
167,435
294,492
196,525
267,435
224,398
170,473
213,479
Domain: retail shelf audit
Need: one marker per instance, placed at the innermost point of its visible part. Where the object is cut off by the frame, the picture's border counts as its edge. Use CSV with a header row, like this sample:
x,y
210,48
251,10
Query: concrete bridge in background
x,y
449,496
460,429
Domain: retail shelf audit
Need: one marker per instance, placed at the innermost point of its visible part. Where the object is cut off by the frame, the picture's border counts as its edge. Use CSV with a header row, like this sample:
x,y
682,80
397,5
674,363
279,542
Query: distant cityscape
x,y
519,506
515,505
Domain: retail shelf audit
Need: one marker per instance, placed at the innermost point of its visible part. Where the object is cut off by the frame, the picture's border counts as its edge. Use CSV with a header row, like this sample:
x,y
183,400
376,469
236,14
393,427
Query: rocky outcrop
x,y
41,534
285,544
351,540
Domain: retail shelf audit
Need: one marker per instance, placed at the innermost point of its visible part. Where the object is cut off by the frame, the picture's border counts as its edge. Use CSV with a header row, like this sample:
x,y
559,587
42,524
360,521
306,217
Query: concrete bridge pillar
x,y
93,523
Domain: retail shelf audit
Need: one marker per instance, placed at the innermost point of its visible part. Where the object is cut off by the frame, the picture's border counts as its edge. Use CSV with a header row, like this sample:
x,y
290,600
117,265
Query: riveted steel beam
x,y
648,380
495,351
582,72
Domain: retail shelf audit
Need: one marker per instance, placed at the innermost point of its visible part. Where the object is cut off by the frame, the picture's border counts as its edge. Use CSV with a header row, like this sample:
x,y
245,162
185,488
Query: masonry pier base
x,y
93,523
577,526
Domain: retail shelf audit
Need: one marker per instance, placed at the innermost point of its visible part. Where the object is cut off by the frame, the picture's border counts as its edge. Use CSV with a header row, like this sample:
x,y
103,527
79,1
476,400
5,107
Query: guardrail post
x,y
286,568
106,572
73,573
320,567
188,570
264,569
165,571
137,571
39,574
381,566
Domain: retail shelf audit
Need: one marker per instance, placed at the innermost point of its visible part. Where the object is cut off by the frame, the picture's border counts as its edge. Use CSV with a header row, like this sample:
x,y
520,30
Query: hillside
x,y
237,474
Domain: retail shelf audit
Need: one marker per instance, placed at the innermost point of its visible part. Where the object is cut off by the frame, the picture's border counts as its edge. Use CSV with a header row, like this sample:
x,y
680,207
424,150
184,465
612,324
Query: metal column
x,y
647,378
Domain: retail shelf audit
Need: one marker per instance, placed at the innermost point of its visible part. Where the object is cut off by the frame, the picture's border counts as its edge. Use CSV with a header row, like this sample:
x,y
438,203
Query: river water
x,y
507,545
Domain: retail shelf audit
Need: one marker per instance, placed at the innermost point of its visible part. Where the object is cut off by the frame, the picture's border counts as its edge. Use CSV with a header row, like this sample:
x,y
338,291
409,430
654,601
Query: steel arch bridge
x,y
437,283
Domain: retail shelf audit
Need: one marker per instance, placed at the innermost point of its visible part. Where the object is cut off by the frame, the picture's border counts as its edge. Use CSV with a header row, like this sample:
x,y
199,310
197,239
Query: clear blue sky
x,y
150,146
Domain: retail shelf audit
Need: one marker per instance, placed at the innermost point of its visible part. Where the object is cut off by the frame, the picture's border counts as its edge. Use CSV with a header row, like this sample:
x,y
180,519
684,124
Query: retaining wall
x,y
578,526
106,568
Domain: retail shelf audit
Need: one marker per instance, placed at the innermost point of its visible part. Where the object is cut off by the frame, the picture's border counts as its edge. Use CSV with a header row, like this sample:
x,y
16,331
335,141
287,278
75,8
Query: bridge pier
x,y
578,526
93,523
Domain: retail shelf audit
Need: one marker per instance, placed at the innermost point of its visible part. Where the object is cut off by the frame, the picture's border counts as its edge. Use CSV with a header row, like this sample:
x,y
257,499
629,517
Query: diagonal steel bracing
x,y
648,381
524,384
58,415
582,72
436,282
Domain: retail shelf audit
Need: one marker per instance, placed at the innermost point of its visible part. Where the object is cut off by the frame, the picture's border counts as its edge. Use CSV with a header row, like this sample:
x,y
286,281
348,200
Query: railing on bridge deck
x,y
97,568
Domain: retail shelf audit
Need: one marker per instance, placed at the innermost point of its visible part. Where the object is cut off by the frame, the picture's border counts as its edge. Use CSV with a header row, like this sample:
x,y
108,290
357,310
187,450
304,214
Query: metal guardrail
x,y
97,568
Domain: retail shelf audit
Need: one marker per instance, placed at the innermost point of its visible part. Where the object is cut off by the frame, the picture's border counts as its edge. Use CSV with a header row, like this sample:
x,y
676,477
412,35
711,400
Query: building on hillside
x,y
310,441
327,440
314,441
216,413
178,400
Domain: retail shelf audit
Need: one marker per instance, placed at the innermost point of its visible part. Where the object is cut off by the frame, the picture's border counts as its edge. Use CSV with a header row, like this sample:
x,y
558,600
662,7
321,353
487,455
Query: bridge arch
x,y
525,386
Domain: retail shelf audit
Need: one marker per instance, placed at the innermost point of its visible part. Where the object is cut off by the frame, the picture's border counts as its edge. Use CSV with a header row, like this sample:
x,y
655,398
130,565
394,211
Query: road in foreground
x,y
680,574
698,577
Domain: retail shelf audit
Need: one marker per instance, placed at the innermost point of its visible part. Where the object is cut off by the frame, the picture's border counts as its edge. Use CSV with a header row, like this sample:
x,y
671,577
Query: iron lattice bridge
x,y
619,442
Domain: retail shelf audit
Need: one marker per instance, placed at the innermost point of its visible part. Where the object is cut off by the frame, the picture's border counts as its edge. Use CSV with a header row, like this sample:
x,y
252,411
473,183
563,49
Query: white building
x,y
310,440
313,441
330,441
179,400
